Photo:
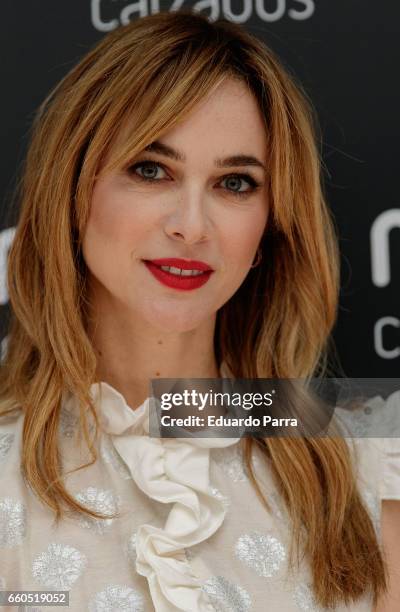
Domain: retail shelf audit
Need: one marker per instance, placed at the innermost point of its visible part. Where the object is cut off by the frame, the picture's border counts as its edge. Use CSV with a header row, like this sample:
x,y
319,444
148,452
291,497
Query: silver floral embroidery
x,y
6,441
131,549
59,566
261,552
110,456
223,499
304,598
226,596
116,597
99,500
12,522
68,422
230,460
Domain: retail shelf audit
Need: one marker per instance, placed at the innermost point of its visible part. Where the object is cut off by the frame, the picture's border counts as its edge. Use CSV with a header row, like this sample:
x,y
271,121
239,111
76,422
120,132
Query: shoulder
x,y
375,430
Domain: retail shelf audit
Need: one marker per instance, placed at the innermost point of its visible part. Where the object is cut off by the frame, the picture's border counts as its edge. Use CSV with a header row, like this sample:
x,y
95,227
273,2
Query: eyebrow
x,y
239,159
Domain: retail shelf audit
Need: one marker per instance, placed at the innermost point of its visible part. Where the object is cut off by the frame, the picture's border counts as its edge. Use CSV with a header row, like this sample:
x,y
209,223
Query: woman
x,y
180,143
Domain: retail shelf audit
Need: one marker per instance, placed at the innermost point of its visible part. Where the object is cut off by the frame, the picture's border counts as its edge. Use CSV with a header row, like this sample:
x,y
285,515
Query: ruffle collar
x,y
116,417
170,471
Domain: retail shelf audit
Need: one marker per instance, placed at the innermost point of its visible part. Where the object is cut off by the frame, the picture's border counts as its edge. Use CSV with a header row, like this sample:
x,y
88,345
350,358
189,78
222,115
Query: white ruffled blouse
x,y
191,534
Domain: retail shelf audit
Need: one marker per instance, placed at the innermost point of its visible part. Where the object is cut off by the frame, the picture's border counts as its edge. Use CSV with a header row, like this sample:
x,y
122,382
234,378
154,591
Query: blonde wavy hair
x,y
154,71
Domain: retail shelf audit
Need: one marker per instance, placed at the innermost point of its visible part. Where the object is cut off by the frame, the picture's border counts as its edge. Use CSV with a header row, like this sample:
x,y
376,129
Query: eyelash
x,y
240,194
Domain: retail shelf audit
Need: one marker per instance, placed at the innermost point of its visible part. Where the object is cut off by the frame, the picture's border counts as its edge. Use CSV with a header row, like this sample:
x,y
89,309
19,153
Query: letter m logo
x,y
380,246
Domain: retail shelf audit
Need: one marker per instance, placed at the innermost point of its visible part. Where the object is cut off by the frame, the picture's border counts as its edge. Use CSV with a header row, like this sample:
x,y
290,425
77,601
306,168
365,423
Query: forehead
x,y
226,121
227,118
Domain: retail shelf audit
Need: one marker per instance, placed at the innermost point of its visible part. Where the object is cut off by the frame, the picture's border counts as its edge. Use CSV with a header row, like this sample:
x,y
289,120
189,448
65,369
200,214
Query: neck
x,y
131,353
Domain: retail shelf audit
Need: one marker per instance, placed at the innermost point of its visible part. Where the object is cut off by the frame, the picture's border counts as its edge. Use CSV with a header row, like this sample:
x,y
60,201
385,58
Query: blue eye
x,y
149,165
234,182
149,169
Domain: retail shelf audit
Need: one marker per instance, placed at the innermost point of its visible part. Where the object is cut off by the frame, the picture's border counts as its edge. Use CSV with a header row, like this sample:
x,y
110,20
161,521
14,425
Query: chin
x,y
173,320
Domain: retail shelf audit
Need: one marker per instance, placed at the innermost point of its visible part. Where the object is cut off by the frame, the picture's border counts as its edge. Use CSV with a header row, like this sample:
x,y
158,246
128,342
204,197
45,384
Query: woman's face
x,y
187,199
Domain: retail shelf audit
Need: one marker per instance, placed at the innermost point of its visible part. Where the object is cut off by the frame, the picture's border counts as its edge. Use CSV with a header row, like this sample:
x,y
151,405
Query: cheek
x,y
109,215
108,232
242,237
118,217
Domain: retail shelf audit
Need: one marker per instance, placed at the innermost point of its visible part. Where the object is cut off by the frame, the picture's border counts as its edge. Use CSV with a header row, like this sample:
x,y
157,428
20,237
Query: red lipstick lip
x,y
184,264
177,281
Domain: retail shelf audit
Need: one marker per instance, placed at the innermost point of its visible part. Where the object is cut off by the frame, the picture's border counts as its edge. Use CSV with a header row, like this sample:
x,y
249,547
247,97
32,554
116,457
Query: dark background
x,y
346,54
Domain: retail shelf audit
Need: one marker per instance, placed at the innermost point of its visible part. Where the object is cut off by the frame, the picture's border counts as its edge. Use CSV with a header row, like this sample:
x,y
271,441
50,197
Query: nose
x,y
188,220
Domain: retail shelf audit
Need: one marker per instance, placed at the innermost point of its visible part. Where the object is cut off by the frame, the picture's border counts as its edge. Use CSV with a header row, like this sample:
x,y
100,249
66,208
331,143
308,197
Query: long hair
x,y
154,71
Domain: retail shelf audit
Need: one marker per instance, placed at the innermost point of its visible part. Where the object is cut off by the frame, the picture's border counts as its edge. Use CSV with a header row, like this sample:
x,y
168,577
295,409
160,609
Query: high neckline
x,y
114,414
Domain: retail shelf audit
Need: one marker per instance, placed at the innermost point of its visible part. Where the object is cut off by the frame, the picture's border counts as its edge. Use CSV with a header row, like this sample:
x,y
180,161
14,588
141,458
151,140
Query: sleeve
x,y
371,425
390,483
390,452
389,449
